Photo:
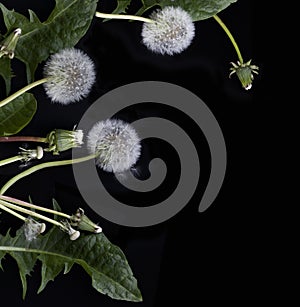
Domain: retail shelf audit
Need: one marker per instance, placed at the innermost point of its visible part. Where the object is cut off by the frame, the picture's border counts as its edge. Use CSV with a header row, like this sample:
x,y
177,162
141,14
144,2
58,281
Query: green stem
x,y
29,212
32,206
42,166
22,91
19,216
11,160
22,139
221,23
118,16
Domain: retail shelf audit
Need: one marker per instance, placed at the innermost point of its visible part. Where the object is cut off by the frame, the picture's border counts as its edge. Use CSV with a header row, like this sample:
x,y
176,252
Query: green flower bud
x,y
8,45
244,71
81,221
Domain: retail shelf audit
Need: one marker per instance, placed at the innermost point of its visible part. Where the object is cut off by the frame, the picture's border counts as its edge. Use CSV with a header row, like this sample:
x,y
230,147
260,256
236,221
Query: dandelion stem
x,y
221,23
29,212
4,208
11,160
6,139
22,91
42,166
119,16
32,206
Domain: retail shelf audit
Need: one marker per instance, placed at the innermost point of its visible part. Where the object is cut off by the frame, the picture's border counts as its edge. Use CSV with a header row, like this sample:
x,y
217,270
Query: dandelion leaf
x,y
198,9
104,262
66,25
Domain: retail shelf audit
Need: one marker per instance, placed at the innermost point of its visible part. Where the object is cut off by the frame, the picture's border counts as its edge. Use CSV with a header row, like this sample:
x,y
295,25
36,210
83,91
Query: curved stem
x,y
11,160
221,23
42,166
19,216
22,139
29,212
119,16
22,91
32,206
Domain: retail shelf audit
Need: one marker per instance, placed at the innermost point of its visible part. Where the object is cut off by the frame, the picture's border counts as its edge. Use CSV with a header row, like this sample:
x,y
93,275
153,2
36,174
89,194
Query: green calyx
x,y
61,140
245,72
8,45
82,222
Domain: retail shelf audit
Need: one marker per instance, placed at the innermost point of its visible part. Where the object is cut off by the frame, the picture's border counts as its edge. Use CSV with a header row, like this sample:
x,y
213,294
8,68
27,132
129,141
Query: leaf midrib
x,y
36,251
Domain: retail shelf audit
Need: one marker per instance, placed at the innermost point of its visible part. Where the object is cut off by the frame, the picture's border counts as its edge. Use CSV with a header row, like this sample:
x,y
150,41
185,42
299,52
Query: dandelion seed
x,y
32,229
171,33
116,144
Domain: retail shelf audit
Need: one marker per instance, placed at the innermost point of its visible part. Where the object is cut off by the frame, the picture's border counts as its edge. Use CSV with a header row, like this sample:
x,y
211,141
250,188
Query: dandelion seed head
x,y
171,33
72,75
116,144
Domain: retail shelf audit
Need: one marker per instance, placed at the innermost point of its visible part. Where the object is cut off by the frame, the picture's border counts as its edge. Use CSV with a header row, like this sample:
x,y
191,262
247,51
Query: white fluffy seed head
x,y
116,144
171,33
71,76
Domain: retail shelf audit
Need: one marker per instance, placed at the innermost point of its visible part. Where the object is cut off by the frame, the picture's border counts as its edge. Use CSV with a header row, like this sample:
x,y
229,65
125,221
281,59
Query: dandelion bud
x,y
80,220
244,71
60,140
116,145
171,33
71,75
8,45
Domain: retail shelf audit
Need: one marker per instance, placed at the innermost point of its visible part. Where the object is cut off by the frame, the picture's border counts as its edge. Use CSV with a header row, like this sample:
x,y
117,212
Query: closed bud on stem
x,y
80,220
244,71
61,140
8,45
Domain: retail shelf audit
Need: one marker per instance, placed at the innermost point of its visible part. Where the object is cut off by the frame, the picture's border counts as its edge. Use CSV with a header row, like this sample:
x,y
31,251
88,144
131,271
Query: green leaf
x,y
105,263
15,115
66,25
147,4
5,72
121,7
199,9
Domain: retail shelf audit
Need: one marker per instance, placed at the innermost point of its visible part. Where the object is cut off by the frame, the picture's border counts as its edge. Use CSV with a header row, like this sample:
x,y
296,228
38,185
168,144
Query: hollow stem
x,y
32,206
119,16
29,212
42,166
22,91
6,139
221,23
19,216
11,160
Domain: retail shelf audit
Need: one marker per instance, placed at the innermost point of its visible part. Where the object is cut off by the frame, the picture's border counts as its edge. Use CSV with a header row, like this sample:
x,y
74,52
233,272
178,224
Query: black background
x,y
222,254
